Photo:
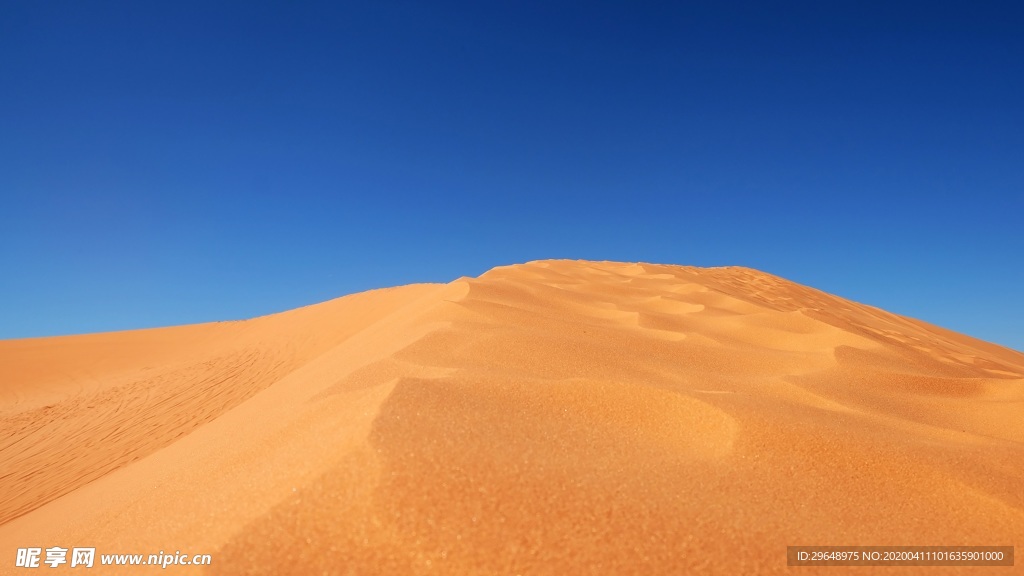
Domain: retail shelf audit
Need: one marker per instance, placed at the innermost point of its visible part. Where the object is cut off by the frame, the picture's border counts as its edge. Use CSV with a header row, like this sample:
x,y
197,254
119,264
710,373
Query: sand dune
x,y
556,417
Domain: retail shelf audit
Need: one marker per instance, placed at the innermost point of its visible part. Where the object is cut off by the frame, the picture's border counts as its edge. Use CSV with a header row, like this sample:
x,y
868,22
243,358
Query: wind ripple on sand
x,y
548,418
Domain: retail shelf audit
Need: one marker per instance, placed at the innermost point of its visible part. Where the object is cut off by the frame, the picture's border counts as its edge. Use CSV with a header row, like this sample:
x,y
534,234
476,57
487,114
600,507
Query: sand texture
x,y
556,417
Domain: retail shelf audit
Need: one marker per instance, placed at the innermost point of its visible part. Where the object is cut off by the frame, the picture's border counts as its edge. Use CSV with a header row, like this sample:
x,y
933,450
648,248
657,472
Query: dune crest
x,y
555,417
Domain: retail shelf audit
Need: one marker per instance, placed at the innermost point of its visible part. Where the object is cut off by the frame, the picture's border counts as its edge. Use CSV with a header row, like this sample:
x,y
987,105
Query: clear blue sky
x,y
174,162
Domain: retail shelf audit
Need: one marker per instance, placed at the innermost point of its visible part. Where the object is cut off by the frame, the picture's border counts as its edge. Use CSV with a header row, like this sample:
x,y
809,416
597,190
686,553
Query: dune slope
x,y
556,417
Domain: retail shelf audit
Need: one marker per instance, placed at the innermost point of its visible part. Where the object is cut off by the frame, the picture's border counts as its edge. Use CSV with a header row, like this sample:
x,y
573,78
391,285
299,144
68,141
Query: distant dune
x,y
556,417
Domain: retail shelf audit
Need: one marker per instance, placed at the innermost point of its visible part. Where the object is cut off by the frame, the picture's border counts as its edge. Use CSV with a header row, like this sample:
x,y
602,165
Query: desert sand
x,y
556,417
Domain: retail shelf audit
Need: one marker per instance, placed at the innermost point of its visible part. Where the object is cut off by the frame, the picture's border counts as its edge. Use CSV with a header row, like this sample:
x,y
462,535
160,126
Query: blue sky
x,y
175,162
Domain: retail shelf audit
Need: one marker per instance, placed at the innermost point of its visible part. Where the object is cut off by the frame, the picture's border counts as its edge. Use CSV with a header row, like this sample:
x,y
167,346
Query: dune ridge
x,y
546,418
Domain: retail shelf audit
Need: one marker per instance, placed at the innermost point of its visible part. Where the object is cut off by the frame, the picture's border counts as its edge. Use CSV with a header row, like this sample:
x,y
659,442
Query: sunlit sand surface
x,y
556,417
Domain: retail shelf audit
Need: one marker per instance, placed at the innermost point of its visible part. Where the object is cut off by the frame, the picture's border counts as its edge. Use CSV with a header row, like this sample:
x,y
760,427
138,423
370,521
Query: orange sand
x,y
557,417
